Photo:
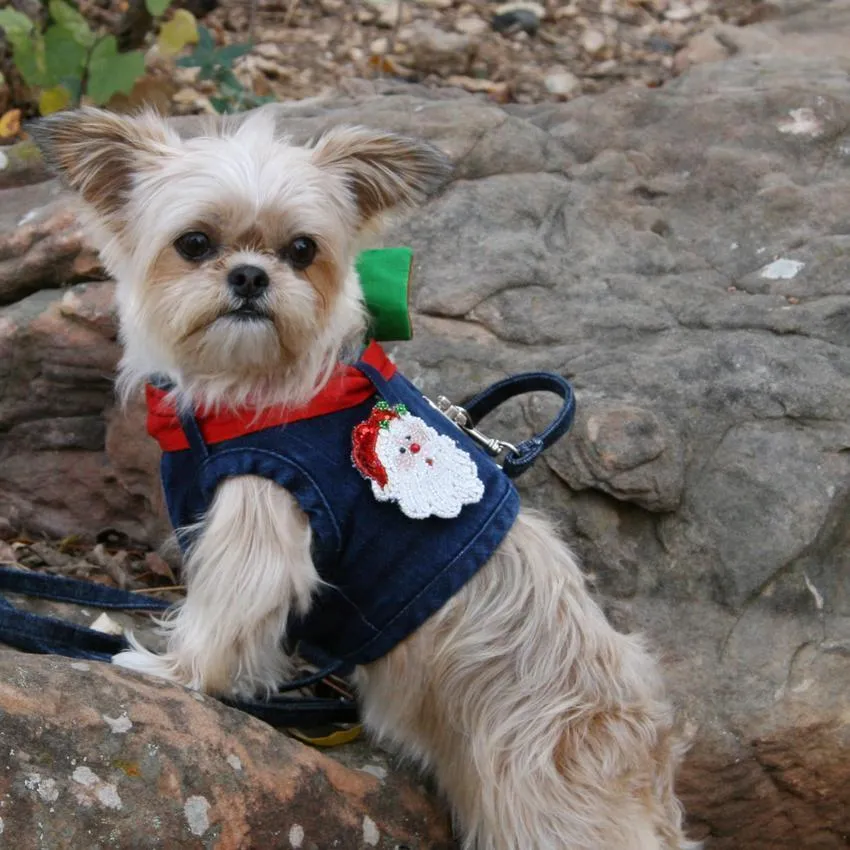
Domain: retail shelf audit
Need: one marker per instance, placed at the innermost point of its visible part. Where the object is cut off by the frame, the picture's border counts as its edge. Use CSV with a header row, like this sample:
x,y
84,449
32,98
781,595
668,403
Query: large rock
x,y
45,246
810,28
681,255
92,757
69,461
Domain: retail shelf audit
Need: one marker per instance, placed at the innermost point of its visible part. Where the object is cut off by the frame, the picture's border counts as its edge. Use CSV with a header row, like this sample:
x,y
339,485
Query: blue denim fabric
x,y
385,573
39,633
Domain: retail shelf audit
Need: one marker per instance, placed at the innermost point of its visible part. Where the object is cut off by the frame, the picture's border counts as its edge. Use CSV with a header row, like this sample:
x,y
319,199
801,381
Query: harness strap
x,y
195,438
298,711
381,384
188,422
523,456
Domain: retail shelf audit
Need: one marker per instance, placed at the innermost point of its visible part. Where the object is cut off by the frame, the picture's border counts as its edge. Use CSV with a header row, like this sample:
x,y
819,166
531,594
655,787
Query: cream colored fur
x,y
545,728
248,570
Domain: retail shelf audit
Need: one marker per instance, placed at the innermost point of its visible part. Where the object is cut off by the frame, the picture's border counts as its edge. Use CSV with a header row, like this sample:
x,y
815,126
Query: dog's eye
x,y
195,246
402,451
301,252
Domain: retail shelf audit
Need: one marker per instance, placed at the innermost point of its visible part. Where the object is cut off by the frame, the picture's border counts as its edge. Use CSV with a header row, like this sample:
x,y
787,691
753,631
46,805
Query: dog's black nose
x,y
248,281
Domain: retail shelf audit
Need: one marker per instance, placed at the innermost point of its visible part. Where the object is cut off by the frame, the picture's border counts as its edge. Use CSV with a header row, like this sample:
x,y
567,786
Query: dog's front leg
x,y
248,569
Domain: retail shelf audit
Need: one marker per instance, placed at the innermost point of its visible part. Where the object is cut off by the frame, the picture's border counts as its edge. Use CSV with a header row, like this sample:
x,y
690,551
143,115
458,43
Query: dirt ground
x,y
512,52
305,47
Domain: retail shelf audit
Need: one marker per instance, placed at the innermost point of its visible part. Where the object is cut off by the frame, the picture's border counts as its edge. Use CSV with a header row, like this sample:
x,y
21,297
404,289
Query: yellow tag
x,y
326,738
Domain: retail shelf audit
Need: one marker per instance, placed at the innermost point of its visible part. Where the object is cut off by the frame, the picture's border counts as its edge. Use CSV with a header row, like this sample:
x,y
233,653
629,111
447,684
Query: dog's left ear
x,y
382,170
97,153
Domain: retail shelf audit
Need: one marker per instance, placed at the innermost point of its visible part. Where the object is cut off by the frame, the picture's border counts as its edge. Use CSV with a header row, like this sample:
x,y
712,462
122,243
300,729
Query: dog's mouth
x,y
248,313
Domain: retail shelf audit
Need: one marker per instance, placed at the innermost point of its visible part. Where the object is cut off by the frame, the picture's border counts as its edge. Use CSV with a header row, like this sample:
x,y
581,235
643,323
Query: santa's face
x,y
409,443
427,474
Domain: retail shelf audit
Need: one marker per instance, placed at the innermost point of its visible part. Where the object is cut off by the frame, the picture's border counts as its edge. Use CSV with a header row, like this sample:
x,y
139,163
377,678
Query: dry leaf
x,y
7,554
106,625
69,543
116,566
154,90
175,34
498,91
159,566
53,100
10,124
53,558
387,65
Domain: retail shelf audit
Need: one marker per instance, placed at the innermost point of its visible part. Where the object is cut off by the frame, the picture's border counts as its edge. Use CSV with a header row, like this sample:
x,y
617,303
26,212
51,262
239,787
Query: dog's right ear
x,y
97,153
382,170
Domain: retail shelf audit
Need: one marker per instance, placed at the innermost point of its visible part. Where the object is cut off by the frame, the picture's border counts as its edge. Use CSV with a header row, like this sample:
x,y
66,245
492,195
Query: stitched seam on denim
x,y
355,607
111,606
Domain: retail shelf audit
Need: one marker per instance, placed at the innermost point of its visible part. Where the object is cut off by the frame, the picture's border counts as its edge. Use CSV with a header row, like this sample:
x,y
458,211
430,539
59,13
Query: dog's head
x,y
234,250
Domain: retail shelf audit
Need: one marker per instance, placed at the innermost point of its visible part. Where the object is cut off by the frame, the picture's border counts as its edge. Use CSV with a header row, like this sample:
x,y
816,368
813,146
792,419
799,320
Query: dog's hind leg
x,y
545,728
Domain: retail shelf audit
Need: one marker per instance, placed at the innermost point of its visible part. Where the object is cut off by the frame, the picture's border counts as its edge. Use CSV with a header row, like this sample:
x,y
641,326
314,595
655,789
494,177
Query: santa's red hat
x,y
364,441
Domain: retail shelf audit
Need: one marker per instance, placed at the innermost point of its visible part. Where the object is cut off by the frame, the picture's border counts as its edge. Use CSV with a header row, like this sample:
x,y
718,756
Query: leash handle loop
x,y
519,458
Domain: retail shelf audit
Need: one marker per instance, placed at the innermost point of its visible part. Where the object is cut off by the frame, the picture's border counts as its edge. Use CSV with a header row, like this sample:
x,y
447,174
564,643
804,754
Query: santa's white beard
x,y
437,480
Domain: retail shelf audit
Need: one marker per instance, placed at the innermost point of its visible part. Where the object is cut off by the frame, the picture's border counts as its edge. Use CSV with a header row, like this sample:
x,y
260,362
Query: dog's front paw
x,y
209,673
161,666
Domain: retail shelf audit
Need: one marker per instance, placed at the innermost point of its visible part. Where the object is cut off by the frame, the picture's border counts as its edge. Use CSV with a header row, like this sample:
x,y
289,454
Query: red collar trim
x,y
347,387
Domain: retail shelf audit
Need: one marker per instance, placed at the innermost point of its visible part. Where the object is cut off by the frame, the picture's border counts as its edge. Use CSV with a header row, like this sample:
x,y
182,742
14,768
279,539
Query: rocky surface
x,y
44,249
70,463
91,758
681,255
816,29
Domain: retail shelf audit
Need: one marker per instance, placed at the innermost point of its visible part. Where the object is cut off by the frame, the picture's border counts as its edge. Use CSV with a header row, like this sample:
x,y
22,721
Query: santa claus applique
x,y
408,462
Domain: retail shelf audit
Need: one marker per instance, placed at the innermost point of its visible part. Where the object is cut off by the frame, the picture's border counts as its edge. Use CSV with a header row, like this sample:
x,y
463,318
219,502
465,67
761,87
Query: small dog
x,y
233,254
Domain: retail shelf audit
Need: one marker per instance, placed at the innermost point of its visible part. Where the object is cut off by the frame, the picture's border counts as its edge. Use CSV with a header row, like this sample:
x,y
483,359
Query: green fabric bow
x,y
384,277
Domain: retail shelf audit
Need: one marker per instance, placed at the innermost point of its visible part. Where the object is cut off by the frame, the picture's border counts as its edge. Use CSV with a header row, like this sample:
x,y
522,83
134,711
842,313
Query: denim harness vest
x,y
384,573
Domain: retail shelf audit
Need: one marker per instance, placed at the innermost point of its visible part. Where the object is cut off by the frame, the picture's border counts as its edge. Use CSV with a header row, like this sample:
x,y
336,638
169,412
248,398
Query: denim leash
x,y
45,635
39,633
48,635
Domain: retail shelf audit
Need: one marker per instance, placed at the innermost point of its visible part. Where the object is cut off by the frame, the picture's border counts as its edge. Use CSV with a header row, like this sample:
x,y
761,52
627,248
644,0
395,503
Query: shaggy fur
x,y
545,728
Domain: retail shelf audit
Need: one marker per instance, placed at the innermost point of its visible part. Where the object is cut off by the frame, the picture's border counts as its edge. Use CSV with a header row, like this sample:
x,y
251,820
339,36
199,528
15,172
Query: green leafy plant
x,y
216,64
68,59
157,7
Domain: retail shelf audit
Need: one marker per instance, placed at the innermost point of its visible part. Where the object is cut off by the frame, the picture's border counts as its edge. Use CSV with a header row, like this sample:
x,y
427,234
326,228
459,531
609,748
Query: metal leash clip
x,y
460,417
